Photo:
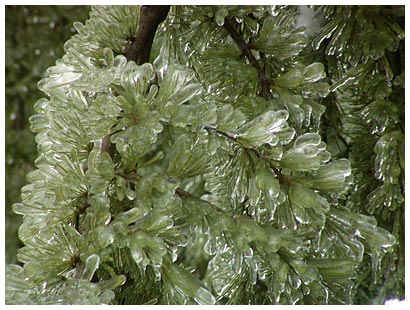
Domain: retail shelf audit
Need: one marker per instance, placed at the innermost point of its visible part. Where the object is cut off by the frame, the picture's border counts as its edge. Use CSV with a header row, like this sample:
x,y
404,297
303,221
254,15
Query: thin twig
x,y
107,146
182,193
263,80
225,134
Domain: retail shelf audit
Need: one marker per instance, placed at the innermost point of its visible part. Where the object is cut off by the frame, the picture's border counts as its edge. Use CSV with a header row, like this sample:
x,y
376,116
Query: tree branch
x,y
182,193
263,80
149,19
229,135
107,146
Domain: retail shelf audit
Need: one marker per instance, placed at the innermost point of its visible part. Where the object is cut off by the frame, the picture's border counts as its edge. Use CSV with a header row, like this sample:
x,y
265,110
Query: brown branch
x,y
107,146
263,80
229,135
182,193
149,19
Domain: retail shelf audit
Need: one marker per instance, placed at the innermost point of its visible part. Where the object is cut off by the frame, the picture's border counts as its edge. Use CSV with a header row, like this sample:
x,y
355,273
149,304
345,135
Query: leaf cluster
x,y
217,185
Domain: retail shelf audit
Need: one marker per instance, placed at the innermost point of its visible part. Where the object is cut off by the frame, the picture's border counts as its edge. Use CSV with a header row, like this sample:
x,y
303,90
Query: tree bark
x,y
150,17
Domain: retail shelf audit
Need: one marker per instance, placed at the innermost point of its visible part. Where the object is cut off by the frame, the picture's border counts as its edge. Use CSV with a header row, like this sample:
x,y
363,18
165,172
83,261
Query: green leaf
x,y
187,284
100,171
265,129
293,78
278,41
135,141
307,153
314,72
179,86
333,177
91,265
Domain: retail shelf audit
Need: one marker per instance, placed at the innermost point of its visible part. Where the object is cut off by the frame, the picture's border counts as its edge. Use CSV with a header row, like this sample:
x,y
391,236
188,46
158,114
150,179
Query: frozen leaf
x,y
103,115
265,129
188,159
387,167
187,284
54,247
229,118
314,72
138,82
100,171
113,283
135,141
146,248
179,86
338,233
91,265
130,216
196,114
306,272
278,41
220,14
209,187
240,166
302,199
307,153
294,77
293,104
265,180
337,270
333,177
378,240
59,76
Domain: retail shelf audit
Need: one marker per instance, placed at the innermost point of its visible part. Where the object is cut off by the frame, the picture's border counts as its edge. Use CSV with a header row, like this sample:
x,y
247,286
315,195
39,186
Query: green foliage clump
x,y
227,170
368,113
33,41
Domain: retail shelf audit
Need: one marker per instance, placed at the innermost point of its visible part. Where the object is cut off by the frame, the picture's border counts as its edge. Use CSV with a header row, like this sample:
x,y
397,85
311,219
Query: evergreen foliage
x,y
33,41
249,161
